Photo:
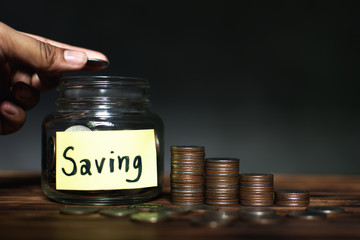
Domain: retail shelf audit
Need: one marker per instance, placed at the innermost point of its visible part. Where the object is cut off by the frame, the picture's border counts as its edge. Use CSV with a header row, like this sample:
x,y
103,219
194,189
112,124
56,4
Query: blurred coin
x,y
292,197
266,219
257,204
222,203
77,128
78,210
200,208
211,221
190,202
251,176
292,192
171,211
145,207
117,212
326,209
187,148
257,211
149,217
306,215
295,204
224,214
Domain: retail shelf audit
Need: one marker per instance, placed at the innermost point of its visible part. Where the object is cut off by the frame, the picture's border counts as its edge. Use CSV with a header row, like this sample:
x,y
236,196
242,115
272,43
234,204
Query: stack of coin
x,y
256,189
222,181
292,198
187,175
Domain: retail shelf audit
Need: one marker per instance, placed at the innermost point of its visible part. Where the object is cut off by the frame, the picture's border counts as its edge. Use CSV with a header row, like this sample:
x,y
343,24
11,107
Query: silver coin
x,y
210,221
200,208
325,209
117,212
224,214
78,210
266,219
172,211
306,215
146,207
257,211
149,217
77,128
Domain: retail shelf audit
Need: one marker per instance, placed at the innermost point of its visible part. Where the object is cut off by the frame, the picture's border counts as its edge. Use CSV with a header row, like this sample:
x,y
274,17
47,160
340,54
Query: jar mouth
x,y
102,81
103,92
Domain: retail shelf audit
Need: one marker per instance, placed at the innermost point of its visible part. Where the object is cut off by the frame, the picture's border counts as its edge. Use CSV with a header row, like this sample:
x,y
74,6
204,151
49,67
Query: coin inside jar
x,y
77,128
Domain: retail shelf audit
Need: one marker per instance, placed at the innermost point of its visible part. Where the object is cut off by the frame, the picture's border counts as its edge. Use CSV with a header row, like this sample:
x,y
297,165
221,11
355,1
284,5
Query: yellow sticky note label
x,y
106,160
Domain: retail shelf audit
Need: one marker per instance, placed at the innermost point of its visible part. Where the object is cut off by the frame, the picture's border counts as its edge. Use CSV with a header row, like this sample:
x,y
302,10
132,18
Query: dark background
x,y
274,83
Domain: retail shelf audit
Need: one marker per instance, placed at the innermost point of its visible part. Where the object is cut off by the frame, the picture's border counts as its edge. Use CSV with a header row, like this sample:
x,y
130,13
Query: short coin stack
x,y
187,175
256,189
222,181
292,198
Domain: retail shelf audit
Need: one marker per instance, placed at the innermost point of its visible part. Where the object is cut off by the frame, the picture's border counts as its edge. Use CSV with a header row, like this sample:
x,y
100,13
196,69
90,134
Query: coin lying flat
x,y
306,215
213,221
146,207
267,219
326,209
78,210
149,217
257,211
224,214
200,208
171,211
117,212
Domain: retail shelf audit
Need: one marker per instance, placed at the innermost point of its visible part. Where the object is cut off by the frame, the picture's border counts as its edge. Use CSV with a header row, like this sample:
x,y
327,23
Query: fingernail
x,y
11,109
75,57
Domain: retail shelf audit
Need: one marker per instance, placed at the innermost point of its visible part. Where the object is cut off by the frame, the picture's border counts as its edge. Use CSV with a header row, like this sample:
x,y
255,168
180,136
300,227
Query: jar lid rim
x,y
122,80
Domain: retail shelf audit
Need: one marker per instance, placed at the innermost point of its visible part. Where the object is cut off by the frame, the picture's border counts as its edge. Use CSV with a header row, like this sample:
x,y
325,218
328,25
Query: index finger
x,y
90,53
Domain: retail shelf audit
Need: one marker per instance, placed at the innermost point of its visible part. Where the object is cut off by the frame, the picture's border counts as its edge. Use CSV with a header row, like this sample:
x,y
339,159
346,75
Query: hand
x,y
30,64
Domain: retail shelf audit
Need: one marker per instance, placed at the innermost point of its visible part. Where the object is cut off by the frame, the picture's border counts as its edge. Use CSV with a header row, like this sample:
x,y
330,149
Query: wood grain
x,y
25,213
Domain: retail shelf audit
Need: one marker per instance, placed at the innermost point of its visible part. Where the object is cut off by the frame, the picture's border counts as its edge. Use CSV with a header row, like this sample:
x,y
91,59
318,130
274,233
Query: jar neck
x,y
103,93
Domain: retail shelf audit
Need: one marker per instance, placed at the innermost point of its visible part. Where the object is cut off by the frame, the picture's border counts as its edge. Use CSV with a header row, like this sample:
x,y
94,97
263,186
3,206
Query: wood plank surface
x,y
25,213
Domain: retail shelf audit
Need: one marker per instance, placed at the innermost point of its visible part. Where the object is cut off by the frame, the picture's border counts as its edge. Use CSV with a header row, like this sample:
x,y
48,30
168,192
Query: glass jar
x,y
103,146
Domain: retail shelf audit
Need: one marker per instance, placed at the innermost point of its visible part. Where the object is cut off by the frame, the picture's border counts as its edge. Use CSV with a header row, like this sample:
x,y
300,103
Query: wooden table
x,y
25,213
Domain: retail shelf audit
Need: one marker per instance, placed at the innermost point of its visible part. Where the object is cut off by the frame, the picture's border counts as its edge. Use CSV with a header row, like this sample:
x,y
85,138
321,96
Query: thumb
x,y
39,55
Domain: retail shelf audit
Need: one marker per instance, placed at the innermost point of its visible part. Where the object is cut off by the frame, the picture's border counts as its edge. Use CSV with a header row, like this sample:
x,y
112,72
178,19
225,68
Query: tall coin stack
x,y
187,175
222,181
256,189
